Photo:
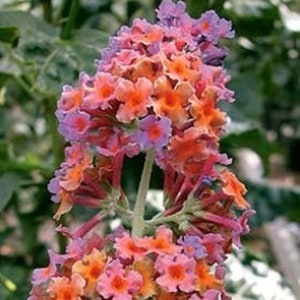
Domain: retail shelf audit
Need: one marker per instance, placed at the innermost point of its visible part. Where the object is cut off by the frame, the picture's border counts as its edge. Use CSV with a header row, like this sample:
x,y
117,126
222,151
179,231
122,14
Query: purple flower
x,y
74,125
192,246
212,27
153,132
225,29
207,25
214,56
54,188
170,13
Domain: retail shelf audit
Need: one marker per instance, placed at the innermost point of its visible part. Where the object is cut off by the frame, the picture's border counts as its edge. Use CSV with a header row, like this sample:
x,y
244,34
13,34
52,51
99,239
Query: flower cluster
x,y
122,267
156,91
156,87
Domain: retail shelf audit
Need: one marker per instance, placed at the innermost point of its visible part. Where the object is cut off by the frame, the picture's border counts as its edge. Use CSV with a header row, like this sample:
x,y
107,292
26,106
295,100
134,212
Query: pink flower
x,y
214,248
118,284
41,275
162,243
71,98
102,91
145,33
75,249
128,247
177,272
244,227
75,153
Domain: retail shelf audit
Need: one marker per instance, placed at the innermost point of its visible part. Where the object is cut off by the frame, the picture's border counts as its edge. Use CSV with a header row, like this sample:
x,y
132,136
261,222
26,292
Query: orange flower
x,y
162,243
135,99
74,174
146,269
146,67
90,268
63,288
188,152
172,102
233,187
72,178
70,98
65,203
204,279
208,118
182,67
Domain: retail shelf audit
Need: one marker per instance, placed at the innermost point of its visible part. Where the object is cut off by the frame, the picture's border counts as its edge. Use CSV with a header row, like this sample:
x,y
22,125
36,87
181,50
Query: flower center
x,y
176,272
80,124
154,132
95,272
119,284
106,91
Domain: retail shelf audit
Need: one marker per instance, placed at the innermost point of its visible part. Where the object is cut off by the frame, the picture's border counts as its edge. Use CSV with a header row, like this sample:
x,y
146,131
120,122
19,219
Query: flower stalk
x,y
138,223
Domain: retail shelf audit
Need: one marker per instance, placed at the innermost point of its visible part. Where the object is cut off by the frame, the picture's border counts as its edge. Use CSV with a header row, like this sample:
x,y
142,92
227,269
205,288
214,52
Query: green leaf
x,y
4,78
9,182
85,47
9,35
27,24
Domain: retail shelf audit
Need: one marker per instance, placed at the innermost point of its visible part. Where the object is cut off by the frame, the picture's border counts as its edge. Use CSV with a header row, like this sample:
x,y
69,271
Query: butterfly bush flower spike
x,y
155,93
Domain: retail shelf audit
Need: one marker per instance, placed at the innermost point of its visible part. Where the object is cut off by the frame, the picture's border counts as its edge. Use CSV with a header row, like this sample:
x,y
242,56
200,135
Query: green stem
x,y
70,24
123,212
190,208
138,223
176,218
61,239
47,10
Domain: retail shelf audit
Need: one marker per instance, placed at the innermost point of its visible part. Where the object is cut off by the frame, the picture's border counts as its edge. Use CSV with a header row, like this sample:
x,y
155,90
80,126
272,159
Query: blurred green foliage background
x,y
45,44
